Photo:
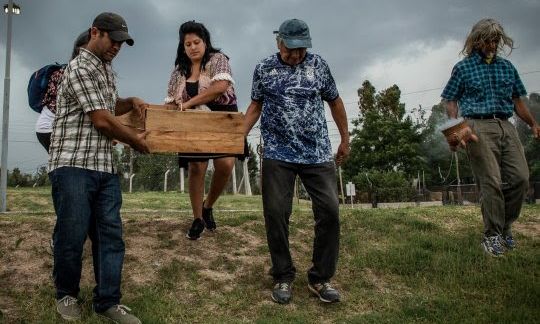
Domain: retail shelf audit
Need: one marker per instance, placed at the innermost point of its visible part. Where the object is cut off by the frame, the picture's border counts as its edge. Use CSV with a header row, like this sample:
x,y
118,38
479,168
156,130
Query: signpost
x,y
351,192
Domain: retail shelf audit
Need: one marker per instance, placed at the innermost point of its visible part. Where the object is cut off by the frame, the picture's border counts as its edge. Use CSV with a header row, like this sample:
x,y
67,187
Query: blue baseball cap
x,y
294,33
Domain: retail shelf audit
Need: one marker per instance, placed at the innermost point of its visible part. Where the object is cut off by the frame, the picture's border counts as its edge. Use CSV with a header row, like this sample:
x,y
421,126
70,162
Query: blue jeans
x,y
277,193
87,203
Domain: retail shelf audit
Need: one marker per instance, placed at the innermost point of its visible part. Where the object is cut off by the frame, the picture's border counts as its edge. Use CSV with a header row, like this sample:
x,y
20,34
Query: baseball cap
x,y
294,33
115,25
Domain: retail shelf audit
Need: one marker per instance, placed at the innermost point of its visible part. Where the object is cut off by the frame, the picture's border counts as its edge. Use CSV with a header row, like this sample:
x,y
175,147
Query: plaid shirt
x,y
484,89
88,85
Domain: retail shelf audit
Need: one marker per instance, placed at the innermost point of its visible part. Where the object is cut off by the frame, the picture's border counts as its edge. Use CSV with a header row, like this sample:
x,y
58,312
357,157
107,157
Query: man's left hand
x,y
342,152
140,106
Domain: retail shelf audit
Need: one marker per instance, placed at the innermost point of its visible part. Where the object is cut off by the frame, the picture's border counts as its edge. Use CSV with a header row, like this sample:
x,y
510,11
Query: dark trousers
x,y
277,189
501,173
44,139
87,203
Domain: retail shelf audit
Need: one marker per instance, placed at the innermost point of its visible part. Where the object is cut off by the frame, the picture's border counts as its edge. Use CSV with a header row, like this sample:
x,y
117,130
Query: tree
x,y
253,167
384,138
41,178
440,161
18,179
530,144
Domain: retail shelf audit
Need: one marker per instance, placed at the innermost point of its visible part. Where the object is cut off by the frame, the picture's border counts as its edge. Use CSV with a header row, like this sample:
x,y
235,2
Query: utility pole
x,y
10,9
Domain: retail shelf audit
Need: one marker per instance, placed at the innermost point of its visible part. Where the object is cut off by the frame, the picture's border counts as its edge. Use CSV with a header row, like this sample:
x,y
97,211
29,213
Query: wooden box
x,y
170,130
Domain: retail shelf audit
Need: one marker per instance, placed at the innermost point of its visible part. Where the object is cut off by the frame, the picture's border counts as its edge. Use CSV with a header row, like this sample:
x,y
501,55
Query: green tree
x,y
253,167
384,138
530,144
41,178
18,179
440,161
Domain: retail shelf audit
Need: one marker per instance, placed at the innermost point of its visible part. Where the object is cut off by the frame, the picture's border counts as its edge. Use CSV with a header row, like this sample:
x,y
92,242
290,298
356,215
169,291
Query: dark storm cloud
x,y
351,35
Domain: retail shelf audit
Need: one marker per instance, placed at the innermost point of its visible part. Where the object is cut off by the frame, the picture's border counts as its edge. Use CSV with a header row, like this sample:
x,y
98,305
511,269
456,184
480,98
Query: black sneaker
x,y
325,292
282,293
208,218
508,242
492,246
197,227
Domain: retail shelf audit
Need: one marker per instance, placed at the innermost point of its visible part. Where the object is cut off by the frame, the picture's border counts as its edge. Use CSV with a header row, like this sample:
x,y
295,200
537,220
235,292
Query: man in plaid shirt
x,y
487,90
85,189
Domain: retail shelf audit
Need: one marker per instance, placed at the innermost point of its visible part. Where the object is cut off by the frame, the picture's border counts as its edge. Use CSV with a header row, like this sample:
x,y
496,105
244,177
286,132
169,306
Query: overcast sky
x,y
413,44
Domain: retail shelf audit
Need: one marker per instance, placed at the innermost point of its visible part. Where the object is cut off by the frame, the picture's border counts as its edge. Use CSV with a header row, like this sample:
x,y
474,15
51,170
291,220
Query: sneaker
x,y
492,245
68,308
119,314
208,218
508,242
282,293
325,292
196,229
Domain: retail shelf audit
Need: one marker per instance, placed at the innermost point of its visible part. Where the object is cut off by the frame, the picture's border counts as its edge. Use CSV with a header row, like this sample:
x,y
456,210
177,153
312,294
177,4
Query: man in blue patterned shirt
x,y
487,90
288,91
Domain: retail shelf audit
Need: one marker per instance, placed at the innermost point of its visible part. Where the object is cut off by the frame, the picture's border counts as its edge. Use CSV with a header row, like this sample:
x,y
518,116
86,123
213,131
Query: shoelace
x,y
123,309
68,300
327,286
283,286
495,240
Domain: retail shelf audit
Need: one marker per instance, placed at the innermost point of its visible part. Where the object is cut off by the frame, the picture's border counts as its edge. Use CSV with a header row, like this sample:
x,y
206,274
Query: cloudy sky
x,y
413,44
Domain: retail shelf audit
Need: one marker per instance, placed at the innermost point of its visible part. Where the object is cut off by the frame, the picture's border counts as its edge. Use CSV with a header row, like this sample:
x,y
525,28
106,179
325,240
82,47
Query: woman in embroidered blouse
x,y
202,79
45,120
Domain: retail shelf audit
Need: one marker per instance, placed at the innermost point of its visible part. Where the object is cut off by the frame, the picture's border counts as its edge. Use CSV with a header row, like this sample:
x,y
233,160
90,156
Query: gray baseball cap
x,y
115,25
294,33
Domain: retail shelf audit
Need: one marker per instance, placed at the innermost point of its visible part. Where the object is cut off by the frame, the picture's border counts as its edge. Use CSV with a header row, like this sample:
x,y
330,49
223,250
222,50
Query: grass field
x,y
421,265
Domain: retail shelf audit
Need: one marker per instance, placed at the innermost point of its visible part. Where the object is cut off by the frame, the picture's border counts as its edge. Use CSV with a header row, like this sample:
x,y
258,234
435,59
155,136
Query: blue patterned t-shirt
x,y
293,123
484,89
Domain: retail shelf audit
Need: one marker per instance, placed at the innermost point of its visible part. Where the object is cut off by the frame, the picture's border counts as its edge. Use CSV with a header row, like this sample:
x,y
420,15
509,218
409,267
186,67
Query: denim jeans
x,y
277,190
87,203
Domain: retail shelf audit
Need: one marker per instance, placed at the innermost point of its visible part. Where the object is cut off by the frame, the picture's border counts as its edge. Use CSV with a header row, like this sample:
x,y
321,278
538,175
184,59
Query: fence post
x,y
165,182
247,184
131,182
182,180
234,179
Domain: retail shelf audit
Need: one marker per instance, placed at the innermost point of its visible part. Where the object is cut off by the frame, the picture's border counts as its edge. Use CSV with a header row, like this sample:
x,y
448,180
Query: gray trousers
x,y
277,190
501,173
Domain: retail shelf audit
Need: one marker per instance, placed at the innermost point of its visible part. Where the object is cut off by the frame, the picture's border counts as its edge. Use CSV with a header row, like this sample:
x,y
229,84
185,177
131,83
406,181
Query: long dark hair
x,y
182,62
81,40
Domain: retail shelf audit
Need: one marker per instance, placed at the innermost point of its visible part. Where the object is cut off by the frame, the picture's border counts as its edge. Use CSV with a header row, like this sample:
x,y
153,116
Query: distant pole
x,y
233,176
459,198
182,180
247,184
5,119
165,180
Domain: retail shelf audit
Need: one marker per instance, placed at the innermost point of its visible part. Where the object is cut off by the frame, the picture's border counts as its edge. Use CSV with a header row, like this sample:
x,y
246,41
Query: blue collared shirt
x,y
293,123
484,89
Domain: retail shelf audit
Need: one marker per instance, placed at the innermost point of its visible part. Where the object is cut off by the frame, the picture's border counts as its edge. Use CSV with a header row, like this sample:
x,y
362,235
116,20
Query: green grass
x,y
409,265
